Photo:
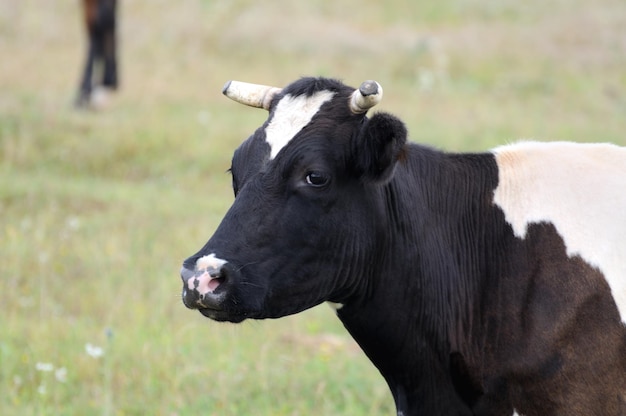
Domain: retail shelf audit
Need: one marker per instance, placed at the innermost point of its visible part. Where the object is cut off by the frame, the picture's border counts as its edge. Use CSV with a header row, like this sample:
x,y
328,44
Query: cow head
x,y
307,222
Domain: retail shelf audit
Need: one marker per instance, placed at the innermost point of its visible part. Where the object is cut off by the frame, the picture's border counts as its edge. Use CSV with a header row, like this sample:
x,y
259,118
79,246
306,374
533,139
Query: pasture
x,y
99,208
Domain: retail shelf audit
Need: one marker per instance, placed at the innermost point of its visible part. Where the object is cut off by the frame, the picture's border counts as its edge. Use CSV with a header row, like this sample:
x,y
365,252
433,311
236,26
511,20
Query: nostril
x,y
213,284
216,278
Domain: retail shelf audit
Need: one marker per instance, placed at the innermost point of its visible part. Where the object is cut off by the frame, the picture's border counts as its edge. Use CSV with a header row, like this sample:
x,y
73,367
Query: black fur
x,y
378,147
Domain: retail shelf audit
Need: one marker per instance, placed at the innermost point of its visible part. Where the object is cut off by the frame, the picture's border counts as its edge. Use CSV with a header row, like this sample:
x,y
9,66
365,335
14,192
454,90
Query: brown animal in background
x,y
100,22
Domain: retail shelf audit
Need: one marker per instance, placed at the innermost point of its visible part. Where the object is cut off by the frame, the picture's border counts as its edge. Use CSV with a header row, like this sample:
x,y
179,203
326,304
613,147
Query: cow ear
x,y
378,147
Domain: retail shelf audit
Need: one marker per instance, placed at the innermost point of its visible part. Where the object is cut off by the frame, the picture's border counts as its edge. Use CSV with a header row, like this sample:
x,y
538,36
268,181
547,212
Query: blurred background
x,y
99,207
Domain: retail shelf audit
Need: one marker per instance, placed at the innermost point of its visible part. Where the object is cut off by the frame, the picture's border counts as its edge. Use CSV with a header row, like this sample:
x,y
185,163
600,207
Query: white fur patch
x,y
209,262
581,190
291,115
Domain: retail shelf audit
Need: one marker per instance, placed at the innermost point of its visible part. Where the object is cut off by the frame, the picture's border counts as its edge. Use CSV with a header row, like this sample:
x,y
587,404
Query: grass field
x,y
99,208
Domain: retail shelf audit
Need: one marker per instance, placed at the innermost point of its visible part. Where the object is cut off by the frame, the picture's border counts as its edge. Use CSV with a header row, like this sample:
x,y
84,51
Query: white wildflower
x,y
73,223
61,374
44,367
94,351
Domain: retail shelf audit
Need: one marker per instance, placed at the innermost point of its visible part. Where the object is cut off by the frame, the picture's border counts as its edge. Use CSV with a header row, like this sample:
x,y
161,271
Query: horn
x,y
367,96
254,95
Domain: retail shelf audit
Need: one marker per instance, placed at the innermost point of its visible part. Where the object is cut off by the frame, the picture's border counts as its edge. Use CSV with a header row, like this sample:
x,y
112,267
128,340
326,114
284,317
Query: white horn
x,y
254,95
367,96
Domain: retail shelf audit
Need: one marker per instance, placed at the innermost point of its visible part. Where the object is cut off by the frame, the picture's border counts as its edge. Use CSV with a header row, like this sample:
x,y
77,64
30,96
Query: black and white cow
x,y
478,284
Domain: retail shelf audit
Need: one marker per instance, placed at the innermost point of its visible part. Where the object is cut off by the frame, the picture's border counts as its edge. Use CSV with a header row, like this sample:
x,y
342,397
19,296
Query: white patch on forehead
x,y
209,262
291,115
581,190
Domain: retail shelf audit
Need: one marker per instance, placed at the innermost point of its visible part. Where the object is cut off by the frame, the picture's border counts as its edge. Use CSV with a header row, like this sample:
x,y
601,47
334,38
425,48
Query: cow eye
x,y
317,179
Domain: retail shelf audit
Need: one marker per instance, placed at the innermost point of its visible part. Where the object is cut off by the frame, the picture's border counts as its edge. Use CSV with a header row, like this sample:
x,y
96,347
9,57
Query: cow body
x,y
478,284
100,67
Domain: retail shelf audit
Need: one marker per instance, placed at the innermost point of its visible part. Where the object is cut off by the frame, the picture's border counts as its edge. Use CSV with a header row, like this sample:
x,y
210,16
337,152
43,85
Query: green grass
x,y
98,209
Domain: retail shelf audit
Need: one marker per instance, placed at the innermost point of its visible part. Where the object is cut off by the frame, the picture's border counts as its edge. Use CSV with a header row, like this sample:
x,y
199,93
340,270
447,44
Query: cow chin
x,y
222,316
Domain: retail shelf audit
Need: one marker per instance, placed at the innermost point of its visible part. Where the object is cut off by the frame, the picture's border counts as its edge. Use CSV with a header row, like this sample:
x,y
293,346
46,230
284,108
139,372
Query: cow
x,y
100,22
486,283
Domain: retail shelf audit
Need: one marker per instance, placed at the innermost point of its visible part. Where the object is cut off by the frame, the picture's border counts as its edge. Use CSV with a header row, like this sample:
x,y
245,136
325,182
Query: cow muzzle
x,y
201,287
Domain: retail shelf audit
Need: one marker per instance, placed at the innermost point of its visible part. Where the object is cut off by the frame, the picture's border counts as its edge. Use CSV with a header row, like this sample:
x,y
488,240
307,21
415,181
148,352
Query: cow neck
x,y
435,210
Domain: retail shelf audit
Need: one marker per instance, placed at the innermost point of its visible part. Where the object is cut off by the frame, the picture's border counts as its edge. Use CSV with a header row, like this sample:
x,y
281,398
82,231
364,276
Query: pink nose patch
x,y
204,283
